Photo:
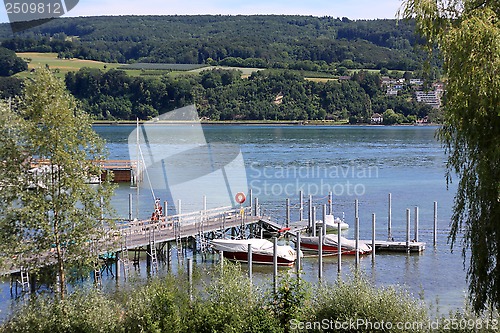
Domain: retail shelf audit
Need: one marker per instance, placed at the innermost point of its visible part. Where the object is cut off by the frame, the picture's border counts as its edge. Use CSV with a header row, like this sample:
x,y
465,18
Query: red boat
x,y
330,245
262,251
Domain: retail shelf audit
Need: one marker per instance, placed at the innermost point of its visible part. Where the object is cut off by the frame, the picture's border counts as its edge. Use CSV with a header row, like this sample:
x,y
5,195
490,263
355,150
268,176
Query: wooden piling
x,y
256,207
373,238
416,224
117,266
130,207
339,248
320,254
389,218
275,265
356,232
330,203
287,213
309,215
250,259
435,221
324,218
250,200
190,277
408,218
297,250
313,224
165,209
301,208
221,259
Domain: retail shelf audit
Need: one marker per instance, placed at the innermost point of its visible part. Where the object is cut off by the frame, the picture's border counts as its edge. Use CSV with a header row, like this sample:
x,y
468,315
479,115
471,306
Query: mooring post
x,y
313,224
297,250
165,210
221,259
389,218
256,207
148,258
356,232
179,208
339,248
204,204
169,255
320,254
416,224
330,203
356,208
373,237
250,263
250,200
435,221
287,212
275,265
309,215
408,218
130,207
324,219
190,277
117,265
301,207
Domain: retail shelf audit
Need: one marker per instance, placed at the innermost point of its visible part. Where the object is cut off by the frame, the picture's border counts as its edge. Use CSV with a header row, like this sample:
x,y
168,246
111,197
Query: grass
x,y
59,66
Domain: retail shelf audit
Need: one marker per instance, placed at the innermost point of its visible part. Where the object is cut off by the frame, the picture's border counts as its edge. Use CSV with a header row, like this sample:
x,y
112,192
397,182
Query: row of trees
x,y
224,95
260,41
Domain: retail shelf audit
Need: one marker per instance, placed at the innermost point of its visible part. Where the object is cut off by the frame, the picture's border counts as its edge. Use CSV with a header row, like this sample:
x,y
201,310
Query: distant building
x,y
432,98
377,118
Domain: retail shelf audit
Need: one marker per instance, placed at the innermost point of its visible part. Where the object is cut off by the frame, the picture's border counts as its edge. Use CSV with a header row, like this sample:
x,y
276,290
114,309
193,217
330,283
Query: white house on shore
x,y
377,118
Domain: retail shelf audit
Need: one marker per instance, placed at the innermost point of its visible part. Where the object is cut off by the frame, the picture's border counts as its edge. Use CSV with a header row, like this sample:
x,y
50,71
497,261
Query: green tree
x,y
10,64
468,35
50,214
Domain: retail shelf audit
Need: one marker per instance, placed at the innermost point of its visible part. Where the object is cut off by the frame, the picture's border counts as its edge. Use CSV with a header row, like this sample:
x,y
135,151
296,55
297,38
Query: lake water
x,y
364,163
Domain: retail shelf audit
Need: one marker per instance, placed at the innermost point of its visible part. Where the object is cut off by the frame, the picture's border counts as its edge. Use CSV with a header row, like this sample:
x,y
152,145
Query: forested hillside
x,y
294,42
225,95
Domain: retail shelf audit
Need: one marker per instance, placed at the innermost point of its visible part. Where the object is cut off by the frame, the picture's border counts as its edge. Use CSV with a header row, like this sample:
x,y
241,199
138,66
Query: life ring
x,y
240,197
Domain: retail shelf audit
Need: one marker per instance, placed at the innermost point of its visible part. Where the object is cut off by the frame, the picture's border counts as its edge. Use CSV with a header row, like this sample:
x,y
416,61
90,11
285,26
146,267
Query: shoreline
x,y
247,122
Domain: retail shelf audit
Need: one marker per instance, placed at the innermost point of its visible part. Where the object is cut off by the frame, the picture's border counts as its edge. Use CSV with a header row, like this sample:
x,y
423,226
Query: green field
x,y
62,66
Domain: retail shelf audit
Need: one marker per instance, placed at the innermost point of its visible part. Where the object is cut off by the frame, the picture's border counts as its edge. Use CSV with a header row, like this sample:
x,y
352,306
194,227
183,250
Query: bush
x,y
83,312
357,299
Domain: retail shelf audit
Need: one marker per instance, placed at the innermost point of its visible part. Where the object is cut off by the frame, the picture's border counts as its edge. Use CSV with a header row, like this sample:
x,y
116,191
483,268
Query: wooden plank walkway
x,y
138,233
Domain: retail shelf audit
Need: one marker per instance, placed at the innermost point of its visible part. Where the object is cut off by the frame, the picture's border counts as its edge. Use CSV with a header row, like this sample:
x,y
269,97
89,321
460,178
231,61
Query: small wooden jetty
x,y
124,171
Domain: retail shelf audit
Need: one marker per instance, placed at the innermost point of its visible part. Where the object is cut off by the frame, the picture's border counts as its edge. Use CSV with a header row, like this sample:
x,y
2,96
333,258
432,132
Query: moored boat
x,y
330,245
262,251
332,223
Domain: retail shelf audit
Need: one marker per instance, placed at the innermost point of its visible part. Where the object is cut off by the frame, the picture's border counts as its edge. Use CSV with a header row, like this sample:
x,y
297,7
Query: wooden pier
x,y
124,171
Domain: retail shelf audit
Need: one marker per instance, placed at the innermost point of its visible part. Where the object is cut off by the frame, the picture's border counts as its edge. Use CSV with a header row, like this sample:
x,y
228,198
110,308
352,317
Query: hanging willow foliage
x,y
467,34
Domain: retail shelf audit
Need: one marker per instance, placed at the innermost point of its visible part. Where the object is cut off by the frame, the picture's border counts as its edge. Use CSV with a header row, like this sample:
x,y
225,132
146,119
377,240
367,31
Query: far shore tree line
x,y
222,94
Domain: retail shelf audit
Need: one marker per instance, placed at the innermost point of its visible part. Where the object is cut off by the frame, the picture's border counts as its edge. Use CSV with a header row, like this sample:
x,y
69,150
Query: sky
x,y
353,9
